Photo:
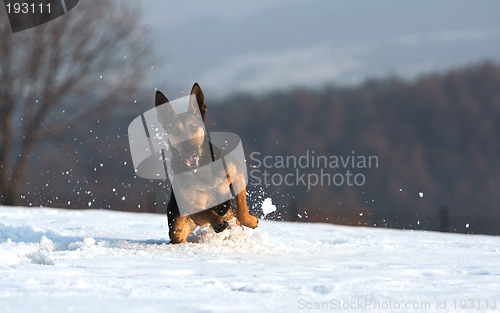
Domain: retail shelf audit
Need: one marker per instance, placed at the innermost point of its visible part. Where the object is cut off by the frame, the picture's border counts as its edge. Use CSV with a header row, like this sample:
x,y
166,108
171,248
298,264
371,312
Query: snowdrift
x,y
104,261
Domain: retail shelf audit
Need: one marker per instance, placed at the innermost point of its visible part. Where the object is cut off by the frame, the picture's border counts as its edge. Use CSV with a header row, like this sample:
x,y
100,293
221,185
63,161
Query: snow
x,y
268,206
105,261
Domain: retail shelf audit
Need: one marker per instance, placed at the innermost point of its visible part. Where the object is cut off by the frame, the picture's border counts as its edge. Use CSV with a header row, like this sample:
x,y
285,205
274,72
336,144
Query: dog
x,y
191,154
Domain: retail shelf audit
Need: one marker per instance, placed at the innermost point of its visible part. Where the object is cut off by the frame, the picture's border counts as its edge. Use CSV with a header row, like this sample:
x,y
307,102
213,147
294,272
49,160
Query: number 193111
x,y
475,304
28,8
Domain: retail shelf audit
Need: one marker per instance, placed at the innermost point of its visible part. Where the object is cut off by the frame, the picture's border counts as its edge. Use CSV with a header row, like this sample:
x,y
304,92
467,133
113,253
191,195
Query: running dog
x,y
191,154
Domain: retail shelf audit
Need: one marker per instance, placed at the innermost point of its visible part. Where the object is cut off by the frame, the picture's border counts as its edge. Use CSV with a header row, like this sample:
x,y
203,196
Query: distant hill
x,y
436,140
437,137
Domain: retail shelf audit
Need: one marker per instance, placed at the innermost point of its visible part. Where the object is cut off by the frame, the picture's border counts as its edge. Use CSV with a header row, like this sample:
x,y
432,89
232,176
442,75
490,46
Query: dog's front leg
x,y
179,227
236,177
242,213
180,230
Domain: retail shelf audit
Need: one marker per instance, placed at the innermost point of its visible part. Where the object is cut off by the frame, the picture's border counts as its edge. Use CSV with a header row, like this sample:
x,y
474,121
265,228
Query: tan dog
x,y
190,154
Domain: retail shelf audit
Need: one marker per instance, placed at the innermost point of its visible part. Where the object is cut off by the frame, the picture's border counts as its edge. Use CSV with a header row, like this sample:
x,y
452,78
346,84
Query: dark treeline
x,y
436,141
438,136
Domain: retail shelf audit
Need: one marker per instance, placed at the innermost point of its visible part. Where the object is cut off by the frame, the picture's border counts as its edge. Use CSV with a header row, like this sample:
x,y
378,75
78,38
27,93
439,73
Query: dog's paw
x,y
177,239
221,227
250,221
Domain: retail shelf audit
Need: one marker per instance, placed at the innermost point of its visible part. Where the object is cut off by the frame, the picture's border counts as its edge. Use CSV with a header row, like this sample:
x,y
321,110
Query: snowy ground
x,y
102,261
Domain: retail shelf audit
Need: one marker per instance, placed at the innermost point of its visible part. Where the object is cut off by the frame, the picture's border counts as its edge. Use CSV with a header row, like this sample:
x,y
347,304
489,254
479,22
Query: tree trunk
x,y
8,196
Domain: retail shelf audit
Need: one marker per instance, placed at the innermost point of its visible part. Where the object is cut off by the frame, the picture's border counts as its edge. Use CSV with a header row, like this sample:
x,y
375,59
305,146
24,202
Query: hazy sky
x,y
256,46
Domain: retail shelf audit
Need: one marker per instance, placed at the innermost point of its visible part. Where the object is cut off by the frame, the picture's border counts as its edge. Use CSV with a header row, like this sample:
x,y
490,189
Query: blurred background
x,y
415,83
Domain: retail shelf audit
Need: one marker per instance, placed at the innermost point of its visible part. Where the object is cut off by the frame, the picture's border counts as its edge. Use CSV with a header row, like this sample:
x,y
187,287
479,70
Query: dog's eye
x,y
195,127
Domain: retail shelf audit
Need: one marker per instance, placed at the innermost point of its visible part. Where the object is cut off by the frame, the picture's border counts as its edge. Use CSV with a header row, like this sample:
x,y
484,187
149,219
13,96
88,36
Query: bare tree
x,y
62,72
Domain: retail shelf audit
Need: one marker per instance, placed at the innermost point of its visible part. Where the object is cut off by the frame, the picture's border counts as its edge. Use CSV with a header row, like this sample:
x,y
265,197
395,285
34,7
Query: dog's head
x,y
186,131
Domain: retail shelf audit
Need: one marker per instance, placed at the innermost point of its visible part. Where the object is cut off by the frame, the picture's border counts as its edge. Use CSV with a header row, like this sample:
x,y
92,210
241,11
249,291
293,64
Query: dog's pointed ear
x,y
200,98
160,98
164,111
